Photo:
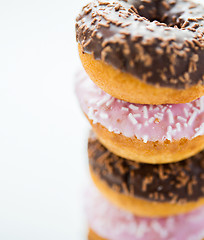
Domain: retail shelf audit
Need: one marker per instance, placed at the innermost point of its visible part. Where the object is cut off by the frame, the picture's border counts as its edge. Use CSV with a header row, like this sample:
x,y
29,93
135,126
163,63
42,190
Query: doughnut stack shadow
x,y
143,93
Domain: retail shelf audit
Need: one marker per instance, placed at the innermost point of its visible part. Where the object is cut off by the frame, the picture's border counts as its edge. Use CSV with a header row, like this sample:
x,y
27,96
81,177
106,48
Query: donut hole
x,y
160,11
173,20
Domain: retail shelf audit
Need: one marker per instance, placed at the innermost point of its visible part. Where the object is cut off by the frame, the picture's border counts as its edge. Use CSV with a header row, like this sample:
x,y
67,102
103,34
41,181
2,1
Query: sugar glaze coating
x,y
145,122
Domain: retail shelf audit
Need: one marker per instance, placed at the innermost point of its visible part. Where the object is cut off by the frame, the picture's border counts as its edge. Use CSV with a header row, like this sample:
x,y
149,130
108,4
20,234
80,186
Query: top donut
x,y
144,51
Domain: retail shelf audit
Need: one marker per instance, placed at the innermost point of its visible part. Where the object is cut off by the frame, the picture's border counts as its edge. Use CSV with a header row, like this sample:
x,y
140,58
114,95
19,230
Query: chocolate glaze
x,y
176,182
160,42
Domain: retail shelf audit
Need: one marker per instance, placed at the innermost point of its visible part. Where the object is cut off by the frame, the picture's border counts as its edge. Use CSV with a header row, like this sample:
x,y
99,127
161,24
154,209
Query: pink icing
x,y
146,122
112,223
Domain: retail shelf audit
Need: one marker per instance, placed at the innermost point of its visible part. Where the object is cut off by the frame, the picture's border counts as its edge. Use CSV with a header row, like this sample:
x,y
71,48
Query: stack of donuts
x,y
143,93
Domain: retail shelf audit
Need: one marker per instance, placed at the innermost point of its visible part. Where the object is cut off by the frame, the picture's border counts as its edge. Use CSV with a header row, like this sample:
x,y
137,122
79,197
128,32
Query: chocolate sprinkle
x,y
175,183
140,36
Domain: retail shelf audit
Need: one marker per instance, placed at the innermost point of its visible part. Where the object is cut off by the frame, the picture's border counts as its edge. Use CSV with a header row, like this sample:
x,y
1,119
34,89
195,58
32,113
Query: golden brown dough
x,y
142,207
150,152
130,89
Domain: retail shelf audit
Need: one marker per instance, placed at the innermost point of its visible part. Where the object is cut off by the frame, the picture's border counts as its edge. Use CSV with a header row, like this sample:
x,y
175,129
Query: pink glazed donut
x,y
108,222
153,134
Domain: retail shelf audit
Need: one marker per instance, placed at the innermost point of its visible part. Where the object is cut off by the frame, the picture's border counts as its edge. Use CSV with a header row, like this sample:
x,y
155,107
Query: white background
x,y
43,134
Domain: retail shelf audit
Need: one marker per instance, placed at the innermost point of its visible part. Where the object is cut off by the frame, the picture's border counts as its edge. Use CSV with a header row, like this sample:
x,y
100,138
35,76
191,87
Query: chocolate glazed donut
x,y
144,189
159,43
175,182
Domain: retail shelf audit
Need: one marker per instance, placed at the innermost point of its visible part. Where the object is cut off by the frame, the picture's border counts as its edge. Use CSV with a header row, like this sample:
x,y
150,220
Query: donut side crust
x,y
141,207
150,152
93,236
126,87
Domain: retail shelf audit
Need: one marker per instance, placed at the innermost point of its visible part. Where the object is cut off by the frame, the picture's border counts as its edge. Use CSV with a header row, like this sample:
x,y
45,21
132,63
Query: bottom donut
x,y
107,222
